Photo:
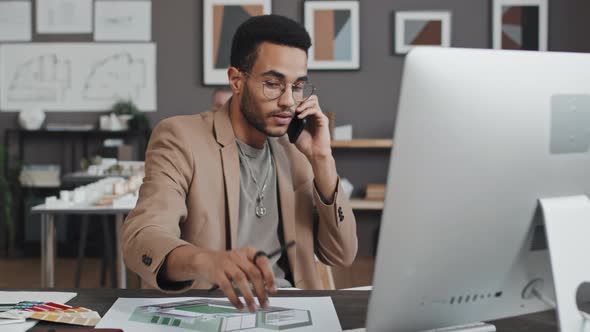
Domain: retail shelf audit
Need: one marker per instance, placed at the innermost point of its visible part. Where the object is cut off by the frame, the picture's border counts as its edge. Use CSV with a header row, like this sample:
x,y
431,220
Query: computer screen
x,y
480,137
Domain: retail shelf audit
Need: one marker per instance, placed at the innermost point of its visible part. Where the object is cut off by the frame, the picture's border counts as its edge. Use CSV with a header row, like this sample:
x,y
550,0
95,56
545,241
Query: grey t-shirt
x,y
261,233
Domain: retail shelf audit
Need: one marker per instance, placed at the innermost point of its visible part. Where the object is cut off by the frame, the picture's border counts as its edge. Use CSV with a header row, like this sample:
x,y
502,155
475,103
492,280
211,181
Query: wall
x,y
177,32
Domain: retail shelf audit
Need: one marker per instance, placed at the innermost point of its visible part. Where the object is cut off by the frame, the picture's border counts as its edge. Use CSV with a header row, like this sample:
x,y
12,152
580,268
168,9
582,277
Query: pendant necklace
x,y
260,209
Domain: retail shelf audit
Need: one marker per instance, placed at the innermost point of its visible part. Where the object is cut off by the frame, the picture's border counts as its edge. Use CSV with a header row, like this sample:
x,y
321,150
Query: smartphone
x,y
295,128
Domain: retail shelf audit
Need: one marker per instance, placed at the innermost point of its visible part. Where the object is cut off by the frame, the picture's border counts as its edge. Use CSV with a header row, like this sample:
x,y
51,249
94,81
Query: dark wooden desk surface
x,y
351,307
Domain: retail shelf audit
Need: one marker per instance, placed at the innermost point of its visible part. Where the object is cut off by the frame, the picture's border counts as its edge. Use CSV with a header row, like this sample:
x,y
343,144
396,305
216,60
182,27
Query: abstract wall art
x,y
520,25
421,28
221,19
334,30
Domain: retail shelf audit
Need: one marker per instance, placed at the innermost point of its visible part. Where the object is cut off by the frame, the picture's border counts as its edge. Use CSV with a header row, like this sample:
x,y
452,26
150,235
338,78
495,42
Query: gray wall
x,y
366,98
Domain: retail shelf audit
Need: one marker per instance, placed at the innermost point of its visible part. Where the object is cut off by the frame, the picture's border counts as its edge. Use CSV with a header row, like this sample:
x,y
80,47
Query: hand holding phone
x,y
295,128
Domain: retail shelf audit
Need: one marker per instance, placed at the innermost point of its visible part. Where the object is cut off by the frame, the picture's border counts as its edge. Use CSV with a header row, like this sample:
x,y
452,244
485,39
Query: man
x,y
222,185
220,97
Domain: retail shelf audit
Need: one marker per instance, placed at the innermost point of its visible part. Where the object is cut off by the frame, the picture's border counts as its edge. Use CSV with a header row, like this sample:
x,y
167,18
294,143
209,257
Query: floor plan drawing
x,y
213,315
77,76
42,78
119,76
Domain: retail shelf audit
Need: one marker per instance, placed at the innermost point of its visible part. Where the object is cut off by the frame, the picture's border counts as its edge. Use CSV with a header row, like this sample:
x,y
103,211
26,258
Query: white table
x,y
48,243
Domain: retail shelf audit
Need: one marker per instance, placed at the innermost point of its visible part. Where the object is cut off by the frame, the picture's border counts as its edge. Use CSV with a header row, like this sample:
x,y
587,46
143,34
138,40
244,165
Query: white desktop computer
x,y
486,211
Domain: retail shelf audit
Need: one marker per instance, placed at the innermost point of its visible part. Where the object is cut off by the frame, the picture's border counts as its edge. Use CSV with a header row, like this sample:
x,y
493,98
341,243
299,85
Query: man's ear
x,y
235,80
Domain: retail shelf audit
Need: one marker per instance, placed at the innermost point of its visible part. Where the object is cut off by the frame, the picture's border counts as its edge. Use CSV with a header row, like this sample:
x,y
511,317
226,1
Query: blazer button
x,y
340,209
147,260
341,218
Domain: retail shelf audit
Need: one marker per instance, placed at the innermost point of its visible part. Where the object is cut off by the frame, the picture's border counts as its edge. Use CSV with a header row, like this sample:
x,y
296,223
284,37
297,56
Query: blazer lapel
x,y
225,136
286,200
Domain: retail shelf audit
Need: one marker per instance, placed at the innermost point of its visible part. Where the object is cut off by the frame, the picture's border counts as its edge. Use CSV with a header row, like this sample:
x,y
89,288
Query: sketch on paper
x,y
77,76
64,16
15,21
119,76
43,78
209,315
122,20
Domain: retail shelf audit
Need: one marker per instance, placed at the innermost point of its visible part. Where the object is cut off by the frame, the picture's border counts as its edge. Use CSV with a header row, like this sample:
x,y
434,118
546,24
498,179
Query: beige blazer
x,y
191,191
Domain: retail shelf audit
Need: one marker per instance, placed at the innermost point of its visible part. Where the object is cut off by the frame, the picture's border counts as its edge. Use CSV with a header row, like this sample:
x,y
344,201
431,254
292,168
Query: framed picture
x,y
334,30
64,16
520,25
221,19
123,20
421,28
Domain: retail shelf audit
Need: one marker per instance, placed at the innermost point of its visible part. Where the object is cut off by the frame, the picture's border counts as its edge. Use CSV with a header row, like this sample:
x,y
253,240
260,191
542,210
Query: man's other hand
x,y
236,267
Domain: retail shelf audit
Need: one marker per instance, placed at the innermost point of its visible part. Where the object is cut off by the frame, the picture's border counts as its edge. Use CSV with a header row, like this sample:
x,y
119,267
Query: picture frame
x,y
63,16
221,19
421,28
334,29
520,25
122,20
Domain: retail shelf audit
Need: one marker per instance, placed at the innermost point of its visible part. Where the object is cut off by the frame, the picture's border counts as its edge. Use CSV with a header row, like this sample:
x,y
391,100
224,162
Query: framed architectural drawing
x,y
123,20
77,76
64,16
221,19
15,21
421,28
520,25
334,30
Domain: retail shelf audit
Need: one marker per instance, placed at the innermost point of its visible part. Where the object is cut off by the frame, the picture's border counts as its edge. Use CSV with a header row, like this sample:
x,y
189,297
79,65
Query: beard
x,y
253,116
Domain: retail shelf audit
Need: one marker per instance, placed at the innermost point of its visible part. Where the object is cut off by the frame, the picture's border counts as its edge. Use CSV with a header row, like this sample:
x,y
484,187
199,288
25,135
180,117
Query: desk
x,y
77,179
16,141
351,307
48,238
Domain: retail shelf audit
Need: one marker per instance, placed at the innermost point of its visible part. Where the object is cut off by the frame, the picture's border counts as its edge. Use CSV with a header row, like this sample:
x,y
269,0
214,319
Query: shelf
x,y
364,204
363,143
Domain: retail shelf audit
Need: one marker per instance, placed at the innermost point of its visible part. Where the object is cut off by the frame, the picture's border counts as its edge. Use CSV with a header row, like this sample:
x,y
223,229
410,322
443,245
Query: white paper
x,y
64,16
15,297
343,132
123,20
77,76
11,321
303,314
15,21
362,288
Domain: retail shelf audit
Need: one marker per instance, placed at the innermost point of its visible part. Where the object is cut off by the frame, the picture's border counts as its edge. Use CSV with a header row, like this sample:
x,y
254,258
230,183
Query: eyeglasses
x,y
274,89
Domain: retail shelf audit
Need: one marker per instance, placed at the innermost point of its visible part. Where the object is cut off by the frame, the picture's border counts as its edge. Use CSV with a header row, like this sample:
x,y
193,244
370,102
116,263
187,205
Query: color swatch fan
x,y
52,312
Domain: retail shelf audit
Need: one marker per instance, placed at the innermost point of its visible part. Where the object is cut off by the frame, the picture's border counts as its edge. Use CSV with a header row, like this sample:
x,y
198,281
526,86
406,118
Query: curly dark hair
x,y
275,29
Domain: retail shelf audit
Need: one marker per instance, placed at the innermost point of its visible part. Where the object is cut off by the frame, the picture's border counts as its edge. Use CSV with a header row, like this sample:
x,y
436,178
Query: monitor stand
x,y
474,327
567,225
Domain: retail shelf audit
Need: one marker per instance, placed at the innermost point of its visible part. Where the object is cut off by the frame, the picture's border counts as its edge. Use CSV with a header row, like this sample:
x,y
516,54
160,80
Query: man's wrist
x,y
326,177
320,154
189,263
322,160
198,263
325,200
